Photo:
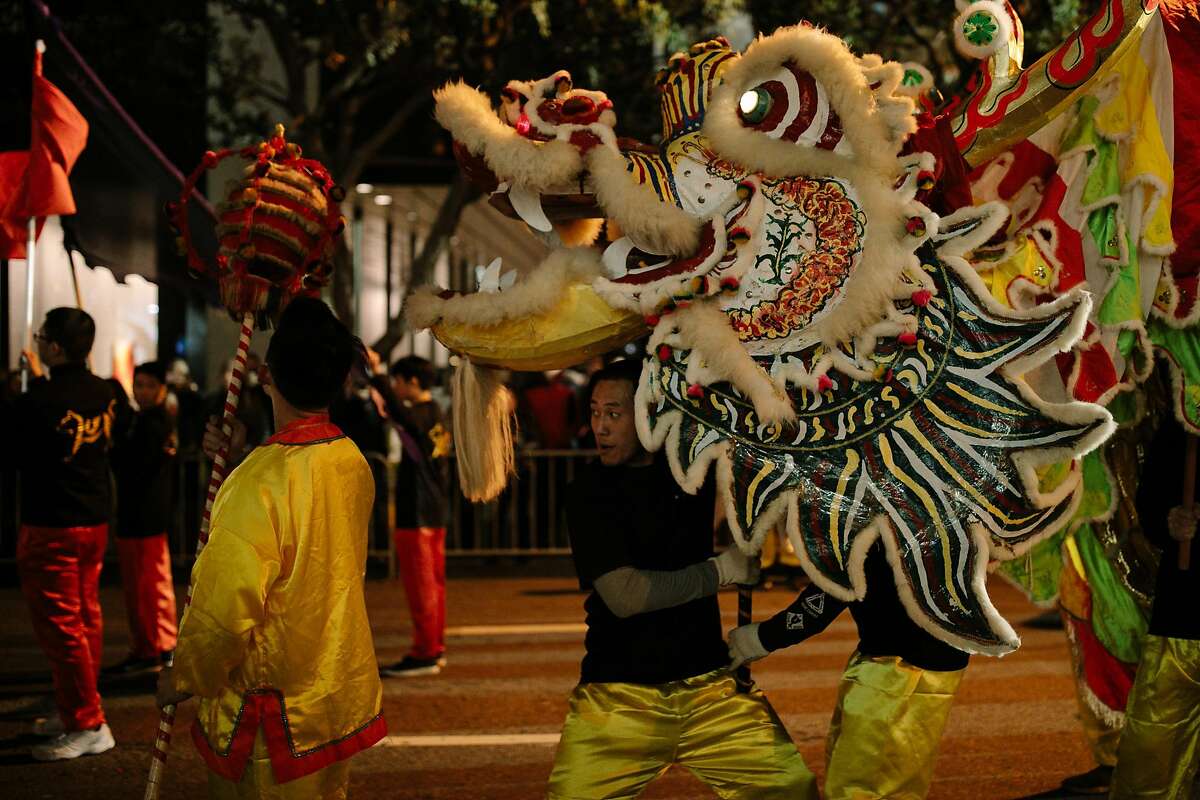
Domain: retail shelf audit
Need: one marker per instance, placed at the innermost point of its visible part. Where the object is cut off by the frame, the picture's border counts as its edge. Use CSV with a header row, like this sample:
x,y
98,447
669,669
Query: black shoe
x,y
410,666
1095,782
1047,621
167,657
132,666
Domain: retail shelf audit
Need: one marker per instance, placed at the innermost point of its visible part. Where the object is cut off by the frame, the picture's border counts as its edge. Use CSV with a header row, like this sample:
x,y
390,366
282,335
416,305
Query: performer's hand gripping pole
x,y
1189,498
233,394
744,613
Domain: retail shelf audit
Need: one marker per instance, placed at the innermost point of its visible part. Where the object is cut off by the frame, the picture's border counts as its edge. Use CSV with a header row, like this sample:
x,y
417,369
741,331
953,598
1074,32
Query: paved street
x,y
485,728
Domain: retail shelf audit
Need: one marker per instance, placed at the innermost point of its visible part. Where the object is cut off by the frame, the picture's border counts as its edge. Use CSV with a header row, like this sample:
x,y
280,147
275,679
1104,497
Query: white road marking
x,y
519,629
471,740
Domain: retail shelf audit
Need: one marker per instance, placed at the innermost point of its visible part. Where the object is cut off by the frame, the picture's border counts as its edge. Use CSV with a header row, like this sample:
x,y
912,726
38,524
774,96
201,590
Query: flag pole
x,y
28,339
30,256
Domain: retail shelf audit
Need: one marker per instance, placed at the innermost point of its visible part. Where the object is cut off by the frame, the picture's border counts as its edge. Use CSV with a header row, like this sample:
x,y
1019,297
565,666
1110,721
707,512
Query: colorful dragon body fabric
x,y
817,335
1102,196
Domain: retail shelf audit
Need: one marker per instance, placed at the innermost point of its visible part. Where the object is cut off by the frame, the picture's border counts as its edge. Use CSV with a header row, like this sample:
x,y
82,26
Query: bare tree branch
x,y
462,193
367,150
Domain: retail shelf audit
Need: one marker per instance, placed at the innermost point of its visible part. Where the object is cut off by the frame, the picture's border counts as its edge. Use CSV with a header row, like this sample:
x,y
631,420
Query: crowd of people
x,y
275,642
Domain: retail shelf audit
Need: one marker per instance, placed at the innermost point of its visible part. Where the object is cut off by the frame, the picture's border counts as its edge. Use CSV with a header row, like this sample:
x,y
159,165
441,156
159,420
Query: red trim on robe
x,y
307,430
265,707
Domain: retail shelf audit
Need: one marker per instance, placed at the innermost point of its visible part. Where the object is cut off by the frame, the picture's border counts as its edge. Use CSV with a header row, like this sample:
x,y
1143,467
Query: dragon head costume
x,y
816,333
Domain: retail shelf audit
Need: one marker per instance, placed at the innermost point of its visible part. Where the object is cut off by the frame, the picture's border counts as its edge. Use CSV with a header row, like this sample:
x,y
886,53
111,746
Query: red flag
x,y
33,182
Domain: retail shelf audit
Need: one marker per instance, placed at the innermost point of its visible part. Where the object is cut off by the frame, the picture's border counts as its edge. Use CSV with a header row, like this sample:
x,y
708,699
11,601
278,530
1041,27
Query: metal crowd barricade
x,y
526,520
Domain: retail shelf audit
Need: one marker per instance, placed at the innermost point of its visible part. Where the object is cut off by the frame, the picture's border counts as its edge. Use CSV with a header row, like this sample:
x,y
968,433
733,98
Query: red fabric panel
x,y
1181,21
265,707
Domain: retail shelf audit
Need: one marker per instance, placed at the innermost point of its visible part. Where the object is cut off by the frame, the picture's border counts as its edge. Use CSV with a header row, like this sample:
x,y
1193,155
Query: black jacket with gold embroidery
x,y
59,436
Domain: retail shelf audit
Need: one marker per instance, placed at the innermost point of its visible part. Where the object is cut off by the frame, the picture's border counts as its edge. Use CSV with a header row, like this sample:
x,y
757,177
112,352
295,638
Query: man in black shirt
x,y
655,688
422,485
895,694
143,456
1159,752
58,439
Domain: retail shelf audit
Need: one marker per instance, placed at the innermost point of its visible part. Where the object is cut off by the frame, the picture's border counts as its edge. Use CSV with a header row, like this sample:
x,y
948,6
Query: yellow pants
x,y
886,729
258,781
618,737
1158,753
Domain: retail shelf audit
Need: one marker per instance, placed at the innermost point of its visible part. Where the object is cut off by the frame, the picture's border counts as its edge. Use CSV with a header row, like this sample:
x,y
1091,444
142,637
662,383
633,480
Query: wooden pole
x,y
744,614
166,722
1189,498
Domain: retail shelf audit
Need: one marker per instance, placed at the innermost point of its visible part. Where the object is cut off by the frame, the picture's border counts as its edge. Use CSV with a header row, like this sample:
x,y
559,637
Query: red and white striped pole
x,y
233,396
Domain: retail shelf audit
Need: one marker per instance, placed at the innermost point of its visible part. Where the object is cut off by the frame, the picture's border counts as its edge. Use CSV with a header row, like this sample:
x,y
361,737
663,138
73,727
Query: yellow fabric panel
x,y
579,327
1024,263
620,736
258,782
885,731
1160,746
1130,116
277,595
1074,596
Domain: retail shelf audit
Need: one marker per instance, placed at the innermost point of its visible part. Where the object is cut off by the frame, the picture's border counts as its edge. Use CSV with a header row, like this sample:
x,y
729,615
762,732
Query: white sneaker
x,y
48,726
75,744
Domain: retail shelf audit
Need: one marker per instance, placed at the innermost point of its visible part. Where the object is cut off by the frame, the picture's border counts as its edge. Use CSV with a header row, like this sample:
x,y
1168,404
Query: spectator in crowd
x,y
58,438
254,407
422,488
186,406
276,641
549,413
143,457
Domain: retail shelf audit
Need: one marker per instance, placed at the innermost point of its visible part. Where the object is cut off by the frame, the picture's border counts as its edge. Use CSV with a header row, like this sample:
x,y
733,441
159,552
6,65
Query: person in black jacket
x,y
895,693
422,489
1159,752
59,439
654,686
143,457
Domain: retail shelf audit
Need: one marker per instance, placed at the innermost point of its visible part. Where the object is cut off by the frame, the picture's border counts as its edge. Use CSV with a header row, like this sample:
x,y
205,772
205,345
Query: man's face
x,y
147,391
48,352
613,425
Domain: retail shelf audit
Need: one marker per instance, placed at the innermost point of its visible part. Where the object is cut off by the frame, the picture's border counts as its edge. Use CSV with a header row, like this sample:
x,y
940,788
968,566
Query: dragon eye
x,y
754,105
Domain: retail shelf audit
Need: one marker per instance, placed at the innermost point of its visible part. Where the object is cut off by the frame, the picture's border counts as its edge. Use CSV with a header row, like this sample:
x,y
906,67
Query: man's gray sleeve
x,y
628,591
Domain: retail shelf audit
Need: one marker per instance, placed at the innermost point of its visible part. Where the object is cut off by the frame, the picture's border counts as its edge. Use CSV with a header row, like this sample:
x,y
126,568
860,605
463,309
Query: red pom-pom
x,y
921,297
664,352
652,320
523,124
908,338
209,160
222,261
824,383
915,226
695,390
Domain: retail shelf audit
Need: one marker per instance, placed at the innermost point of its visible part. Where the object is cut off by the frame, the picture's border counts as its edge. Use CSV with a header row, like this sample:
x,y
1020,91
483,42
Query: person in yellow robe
x,y
276,642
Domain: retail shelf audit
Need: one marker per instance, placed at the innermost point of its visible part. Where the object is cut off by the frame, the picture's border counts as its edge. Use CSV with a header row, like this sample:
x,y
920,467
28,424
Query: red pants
x,y
60,577
421,558
149,594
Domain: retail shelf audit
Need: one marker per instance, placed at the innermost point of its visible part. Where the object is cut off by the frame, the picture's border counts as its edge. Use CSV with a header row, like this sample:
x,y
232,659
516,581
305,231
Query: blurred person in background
x,y
58,438
186,405
422,490
254,407
143,457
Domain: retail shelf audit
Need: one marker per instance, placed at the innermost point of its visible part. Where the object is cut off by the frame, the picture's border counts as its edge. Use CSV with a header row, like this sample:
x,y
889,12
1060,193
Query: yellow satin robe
x,y
276,637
